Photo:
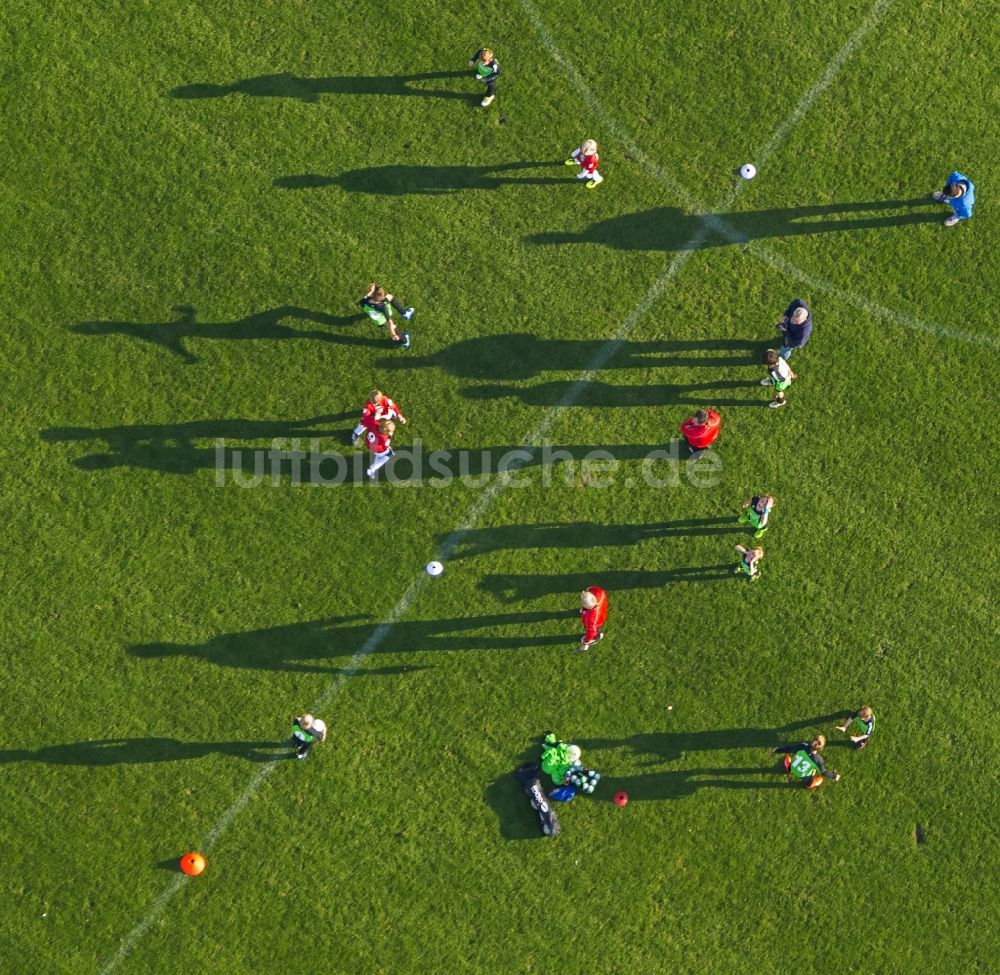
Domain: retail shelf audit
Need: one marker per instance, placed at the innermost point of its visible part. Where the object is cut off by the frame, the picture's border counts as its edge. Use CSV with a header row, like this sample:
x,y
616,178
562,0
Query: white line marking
x,y
476,512
483,503
719,225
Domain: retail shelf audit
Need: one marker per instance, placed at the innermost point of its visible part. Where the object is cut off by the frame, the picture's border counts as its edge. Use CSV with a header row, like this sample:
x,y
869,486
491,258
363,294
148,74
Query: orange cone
x,y
193,864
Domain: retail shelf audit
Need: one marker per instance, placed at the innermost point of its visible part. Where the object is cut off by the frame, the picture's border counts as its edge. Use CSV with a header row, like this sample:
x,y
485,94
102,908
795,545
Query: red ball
x,y
620,798
193,864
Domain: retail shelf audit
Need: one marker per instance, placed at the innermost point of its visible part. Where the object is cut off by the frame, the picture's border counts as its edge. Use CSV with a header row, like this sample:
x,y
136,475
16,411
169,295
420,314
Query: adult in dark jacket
x,y
796,327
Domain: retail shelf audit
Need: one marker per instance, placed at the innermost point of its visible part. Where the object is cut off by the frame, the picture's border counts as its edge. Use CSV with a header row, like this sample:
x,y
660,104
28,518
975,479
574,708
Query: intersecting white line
x,y
720,226
497,484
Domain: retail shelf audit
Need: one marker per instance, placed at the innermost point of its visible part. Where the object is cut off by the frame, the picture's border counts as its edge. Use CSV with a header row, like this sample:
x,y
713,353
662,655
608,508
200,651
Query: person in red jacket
x,y
378,407
587,159
380,444
593,613
701,431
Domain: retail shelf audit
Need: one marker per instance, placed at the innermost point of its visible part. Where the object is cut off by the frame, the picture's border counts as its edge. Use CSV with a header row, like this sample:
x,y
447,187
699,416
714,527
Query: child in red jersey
x,y
380,444
593,613
379,407
587,159
701,431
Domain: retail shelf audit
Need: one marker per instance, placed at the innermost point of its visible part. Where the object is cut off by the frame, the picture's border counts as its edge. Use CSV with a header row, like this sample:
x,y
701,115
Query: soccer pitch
x,y
195,197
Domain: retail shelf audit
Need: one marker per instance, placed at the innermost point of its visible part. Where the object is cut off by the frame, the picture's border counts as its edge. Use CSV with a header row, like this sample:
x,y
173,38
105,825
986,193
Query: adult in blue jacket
x,y
960,194
796,326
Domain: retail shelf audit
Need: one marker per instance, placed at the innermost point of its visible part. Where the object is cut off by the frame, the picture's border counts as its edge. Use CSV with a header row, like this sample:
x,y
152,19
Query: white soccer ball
x,y
748,170
434,568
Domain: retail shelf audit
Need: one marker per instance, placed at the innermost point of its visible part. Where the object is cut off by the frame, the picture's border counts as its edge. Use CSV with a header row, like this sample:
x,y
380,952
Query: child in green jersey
x,y
860,725
803,760
756,512
750,562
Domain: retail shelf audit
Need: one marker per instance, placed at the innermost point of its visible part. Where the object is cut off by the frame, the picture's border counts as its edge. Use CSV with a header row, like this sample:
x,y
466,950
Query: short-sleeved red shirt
x,y
701,435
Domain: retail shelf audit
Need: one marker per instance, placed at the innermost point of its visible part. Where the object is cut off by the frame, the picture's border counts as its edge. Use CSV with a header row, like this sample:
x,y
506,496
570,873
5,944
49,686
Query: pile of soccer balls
x,y
585,779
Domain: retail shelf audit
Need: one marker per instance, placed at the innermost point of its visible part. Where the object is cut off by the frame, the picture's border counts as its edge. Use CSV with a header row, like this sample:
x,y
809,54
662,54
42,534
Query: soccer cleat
x,y
939,196
759,534
951,221
776,403
487,101
591,184
570,162
354,439
696,454
408,314
406,341
765,382
371,474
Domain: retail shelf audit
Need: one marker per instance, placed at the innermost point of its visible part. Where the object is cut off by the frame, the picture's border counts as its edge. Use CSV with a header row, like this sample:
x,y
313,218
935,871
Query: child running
x,y
377,304
779,375
749,562
756,513
587,159
380,444
379,407
863,723
487,71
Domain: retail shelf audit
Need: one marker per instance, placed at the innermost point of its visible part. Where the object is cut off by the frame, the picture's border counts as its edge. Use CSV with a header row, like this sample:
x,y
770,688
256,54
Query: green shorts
x,y
376,316
780,387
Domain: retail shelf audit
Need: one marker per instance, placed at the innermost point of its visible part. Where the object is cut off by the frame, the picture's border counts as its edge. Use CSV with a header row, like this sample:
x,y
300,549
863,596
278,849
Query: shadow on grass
x,y
518,588
171,864
306,647
644,394
268,451
671,229
260,325
583,534
668,746
686,782
142,751
509,802
183,448
403,180
285,85
522,355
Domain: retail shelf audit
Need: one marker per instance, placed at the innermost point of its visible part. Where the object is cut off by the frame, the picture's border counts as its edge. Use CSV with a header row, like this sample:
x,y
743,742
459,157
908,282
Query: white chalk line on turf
x,y
720,226
477,510
483,503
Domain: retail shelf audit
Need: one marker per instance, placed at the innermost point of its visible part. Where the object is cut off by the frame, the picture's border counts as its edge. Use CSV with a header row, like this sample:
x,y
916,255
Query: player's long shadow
x,y
267,324
141,751
676,784
513,588
659,747
255,450
285,85
314,647
642,394
523,355
582,534
400,180
183,448
671,229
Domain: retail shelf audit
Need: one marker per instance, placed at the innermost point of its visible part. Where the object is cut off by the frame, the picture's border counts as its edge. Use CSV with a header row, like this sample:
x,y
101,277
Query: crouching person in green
x,y
860,725
306,732
803,760
561,762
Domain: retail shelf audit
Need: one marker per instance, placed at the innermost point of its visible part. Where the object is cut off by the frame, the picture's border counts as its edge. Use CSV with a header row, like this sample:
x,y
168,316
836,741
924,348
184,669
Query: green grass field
x,y
193,198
